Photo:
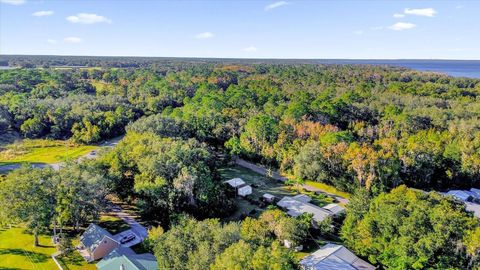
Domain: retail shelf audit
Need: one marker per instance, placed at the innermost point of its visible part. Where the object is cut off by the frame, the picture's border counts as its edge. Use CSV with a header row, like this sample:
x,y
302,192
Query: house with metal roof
x,y
336,209
123,258
332,256
463,195
96,242
297,207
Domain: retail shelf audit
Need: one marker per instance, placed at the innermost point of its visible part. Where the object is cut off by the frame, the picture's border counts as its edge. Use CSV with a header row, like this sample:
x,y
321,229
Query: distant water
x,y
456,68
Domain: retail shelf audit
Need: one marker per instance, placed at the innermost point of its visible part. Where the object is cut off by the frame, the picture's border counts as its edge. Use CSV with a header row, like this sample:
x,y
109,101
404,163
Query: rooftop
x,y
93,235
128,259
235,182
297,207
332,256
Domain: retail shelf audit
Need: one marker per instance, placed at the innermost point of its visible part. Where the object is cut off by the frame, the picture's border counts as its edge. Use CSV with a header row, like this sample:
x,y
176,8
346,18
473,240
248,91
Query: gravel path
x,y
278,176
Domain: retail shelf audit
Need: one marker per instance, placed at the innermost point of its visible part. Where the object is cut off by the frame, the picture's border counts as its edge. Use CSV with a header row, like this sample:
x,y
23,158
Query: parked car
x,y
127,238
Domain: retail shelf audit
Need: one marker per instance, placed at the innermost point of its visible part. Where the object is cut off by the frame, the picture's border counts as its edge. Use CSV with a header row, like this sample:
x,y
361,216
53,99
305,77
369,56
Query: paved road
x,y
56,166
278,176
136,227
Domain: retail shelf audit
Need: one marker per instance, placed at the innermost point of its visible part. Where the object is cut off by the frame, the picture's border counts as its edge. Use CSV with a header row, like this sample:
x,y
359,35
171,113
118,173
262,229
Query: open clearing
x,y
42,151
261,185
17,252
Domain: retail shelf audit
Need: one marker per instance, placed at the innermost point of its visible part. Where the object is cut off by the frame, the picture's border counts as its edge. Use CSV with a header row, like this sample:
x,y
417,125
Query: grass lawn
x,y
328,189
17,251
42,151
74,261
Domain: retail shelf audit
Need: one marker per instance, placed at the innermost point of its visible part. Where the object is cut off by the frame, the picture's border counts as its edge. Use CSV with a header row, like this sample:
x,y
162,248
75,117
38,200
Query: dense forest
x,y
345,125
375,131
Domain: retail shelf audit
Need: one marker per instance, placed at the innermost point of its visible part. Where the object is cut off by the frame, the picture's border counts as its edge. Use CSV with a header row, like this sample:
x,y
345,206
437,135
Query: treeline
x,y
43,199
345,125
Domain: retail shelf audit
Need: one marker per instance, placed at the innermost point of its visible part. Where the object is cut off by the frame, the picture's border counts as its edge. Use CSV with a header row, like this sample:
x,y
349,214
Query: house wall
x,y
104,248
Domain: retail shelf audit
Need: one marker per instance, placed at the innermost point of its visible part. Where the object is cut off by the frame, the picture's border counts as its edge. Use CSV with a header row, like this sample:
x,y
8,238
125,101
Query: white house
x,y
296,207
244,190
463,195
334,208
303,198
332,256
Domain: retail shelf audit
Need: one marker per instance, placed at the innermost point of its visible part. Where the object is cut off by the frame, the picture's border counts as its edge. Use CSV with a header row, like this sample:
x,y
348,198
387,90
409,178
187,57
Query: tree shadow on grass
x,y
34,257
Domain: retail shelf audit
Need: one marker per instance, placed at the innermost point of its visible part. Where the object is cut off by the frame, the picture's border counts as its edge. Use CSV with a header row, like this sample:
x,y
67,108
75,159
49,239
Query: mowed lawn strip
x,y
328,189
43,151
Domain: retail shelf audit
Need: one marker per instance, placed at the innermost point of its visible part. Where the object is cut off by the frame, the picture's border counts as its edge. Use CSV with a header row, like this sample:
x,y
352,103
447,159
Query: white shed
x,y
268,197
244,190
235,182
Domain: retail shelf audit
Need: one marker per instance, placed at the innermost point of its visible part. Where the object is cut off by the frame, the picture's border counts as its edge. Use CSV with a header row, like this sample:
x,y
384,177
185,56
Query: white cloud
x,y
400,26
250,49
397,15
88,18
276,5
73,40
427,12
358,32
52,41
14,2
204,35
43,13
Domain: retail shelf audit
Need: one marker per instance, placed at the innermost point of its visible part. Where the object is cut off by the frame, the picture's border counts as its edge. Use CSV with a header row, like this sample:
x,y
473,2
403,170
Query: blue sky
x,y
247,29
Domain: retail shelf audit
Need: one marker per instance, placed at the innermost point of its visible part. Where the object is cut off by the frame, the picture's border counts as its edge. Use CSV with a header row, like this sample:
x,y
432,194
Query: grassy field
x,y
74,261
328,189
17,252
42,151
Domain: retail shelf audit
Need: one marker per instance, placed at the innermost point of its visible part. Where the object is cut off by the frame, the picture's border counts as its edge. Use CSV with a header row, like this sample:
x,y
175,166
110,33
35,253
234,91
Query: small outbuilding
x,y
235,182
268,197
244,190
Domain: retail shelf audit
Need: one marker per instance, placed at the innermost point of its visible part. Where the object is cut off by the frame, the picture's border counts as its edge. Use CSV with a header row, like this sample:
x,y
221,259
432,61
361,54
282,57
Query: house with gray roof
x,y
299,204
463,195
123,258
96,242
332,256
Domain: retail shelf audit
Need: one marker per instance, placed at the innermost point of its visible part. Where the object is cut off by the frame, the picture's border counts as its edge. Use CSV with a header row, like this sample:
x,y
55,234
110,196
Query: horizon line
x,y
245,58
